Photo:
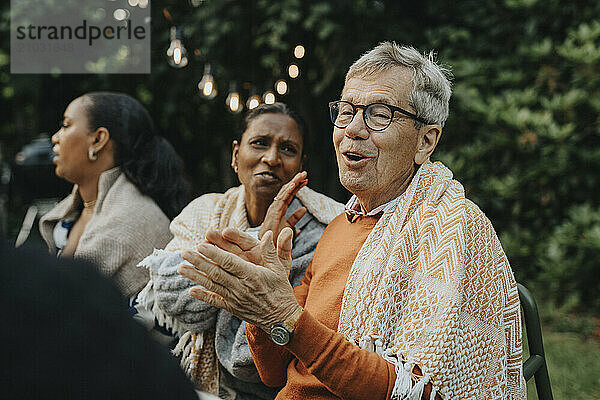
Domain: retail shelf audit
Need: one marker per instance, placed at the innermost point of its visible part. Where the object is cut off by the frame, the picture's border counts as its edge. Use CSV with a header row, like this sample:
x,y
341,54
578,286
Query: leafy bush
x,y
572,258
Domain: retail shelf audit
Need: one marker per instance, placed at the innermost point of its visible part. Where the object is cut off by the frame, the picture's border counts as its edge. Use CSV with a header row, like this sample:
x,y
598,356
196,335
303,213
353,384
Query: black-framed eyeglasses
x,y
377,116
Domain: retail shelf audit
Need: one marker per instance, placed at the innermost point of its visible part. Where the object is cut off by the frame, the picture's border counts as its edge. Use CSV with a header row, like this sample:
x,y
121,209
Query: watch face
x,y
280,335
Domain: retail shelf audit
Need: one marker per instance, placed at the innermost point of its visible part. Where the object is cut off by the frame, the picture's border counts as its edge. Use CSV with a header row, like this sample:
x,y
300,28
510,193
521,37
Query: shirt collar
x,y
353,208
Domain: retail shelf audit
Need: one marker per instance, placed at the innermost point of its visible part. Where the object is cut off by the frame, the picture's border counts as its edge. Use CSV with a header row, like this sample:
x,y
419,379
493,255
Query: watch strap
x,y
291,321
282,332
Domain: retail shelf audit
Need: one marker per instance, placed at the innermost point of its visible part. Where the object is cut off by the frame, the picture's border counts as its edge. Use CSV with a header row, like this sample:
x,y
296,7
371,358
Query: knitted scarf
x,y
197,349
432,287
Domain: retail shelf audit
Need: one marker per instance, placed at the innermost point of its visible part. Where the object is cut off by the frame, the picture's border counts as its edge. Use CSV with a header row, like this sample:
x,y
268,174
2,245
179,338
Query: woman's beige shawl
x,y
125,227
218,211
432,286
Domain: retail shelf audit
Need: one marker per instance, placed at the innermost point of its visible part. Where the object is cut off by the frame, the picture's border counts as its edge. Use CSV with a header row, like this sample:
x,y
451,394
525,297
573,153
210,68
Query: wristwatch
x,y
282,333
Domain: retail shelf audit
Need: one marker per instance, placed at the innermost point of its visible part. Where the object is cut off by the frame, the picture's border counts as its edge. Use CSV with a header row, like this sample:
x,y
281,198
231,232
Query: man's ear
x,y
427,142
235,149
101,138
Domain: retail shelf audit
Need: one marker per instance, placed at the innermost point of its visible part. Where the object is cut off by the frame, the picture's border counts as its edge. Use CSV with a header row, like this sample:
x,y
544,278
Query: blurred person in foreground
x,y
268,160
409,294
66,336
128,186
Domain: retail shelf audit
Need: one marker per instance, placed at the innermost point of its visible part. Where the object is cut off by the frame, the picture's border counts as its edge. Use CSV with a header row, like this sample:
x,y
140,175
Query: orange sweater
x,y
319,363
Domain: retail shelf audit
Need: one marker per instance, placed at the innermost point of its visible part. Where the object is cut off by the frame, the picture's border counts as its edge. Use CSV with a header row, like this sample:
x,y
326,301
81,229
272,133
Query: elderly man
x,y
409,294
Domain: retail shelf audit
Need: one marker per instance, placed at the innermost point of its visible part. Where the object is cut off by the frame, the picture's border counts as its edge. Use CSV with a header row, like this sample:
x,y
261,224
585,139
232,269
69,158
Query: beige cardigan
x,y
125,228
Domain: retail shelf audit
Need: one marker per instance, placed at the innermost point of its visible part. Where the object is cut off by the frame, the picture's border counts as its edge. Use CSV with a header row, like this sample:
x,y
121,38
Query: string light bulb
x,y
176,53
293,71
281,87
253,100
233,100
207,86
299,51
269,97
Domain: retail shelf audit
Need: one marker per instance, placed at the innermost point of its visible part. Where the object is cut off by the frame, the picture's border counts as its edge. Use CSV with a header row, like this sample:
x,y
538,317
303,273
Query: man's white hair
x,y
431,89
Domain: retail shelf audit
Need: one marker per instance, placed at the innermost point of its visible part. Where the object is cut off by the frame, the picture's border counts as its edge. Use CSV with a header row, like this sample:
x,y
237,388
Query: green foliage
x,y
529,106
571,258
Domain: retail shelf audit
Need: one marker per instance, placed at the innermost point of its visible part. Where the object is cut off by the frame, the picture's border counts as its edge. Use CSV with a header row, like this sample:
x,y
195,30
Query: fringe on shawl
x,y
146,297
408,385
196,360
190,345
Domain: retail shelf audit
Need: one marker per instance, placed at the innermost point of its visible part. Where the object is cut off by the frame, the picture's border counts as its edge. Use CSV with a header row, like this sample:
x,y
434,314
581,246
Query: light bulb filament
x,y
299,51
254,102
281,87
234,103
293,71
177,55
208,88
269,98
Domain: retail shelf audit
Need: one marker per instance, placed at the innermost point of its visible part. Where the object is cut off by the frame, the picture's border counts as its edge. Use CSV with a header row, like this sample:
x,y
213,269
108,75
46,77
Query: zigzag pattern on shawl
x,y
404,295
389,245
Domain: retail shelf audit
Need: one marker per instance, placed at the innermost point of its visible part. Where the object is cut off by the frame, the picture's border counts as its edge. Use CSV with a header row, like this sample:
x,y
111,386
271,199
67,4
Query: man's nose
x,y
357,127
271,156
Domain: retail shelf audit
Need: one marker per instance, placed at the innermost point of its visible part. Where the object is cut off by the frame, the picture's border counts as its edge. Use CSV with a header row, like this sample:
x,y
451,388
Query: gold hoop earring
x,y
91,155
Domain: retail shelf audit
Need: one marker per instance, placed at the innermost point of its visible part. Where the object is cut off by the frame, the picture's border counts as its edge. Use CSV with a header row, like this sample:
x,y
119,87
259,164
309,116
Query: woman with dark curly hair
x,y
128,186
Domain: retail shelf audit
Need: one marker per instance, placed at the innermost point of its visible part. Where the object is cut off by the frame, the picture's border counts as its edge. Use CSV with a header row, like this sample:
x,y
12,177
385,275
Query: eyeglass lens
x,y
376,116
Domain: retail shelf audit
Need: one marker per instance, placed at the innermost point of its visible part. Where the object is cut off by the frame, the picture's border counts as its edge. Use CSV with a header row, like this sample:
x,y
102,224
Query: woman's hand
x,y
260,294
275,219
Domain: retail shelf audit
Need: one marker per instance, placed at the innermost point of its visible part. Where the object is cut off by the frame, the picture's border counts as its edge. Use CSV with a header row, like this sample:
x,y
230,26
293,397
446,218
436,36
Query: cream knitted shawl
x,y
432,287
125,227
218,211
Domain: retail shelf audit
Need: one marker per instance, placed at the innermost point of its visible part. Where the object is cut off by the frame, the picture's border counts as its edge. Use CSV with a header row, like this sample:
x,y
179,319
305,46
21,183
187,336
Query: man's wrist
x,y
292,320
281,333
